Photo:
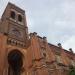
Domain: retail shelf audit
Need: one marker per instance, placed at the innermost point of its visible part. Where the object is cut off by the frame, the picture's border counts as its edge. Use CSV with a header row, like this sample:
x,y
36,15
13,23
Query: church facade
x,y
29,54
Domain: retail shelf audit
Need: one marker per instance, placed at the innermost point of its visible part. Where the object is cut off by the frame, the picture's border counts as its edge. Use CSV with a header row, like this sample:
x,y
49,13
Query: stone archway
x,y
15,61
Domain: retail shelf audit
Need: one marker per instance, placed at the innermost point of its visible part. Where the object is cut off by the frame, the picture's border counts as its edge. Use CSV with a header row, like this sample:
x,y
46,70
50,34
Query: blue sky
x,y
54,19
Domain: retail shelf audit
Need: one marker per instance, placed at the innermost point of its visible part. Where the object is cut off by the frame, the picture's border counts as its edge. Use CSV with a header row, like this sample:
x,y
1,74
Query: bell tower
x,y
14,28
14,25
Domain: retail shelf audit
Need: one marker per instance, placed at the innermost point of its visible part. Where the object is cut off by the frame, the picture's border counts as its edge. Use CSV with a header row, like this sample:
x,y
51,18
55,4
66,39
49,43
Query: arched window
x,y
44,54
19,18
13,14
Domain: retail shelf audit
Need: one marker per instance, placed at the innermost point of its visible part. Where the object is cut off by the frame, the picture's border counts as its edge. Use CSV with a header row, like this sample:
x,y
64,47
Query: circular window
x,y
19,18
13,14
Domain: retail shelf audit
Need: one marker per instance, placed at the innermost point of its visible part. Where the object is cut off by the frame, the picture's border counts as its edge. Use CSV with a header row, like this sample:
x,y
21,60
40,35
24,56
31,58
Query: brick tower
x,y
13,41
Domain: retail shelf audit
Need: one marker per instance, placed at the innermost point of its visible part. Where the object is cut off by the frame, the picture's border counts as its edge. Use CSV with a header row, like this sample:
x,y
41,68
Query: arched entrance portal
x,y
15,62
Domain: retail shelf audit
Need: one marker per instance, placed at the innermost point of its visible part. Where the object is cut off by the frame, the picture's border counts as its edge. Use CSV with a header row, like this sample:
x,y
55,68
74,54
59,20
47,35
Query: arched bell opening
x,y
15,61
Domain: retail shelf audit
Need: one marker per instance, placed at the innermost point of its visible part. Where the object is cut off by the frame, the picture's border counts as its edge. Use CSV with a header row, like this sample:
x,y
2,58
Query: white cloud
x,y
70,43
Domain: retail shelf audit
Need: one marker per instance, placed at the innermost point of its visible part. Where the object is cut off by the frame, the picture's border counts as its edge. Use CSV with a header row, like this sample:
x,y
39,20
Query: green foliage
x,y
72,71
